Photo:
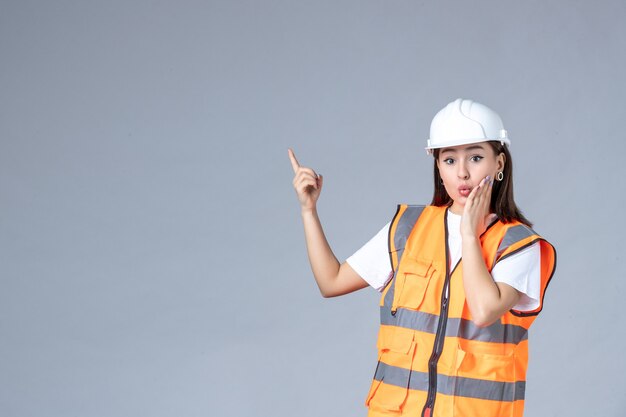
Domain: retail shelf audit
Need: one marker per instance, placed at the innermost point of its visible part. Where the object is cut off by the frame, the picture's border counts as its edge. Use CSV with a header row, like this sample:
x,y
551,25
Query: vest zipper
x,y
437,349
439,337
427,411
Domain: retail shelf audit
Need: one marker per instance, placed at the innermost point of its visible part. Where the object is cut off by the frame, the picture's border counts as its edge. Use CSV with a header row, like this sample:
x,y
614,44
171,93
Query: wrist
x,y
470,239
306,212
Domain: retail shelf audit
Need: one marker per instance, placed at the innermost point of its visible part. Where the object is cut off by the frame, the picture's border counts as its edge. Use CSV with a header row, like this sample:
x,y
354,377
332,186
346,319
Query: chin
x,y
460,200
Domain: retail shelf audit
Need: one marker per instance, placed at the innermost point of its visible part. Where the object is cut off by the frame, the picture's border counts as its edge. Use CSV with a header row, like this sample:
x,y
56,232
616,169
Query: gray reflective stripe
x,y
496,332
403,230
456,327
409,319
452,385
514,235
405,225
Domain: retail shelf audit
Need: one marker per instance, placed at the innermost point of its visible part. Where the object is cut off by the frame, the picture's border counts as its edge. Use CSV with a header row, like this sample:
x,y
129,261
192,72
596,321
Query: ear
x,y
501,161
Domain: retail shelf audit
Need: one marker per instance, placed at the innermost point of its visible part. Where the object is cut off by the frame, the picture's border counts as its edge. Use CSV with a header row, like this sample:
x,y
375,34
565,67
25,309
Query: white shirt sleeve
x,y
372,261
522,271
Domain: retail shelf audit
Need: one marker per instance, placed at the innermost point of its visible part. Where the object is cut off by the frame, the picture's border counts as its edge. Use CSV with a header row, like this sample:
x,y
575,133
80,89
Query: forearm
x,y
481,292
324,264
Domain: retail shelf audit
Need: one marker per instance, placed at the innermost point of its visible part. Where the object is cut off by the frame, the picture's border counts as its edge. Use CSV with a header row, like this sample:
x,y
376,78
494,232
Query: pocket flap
x,y
420,267
395,339
485,365
412,283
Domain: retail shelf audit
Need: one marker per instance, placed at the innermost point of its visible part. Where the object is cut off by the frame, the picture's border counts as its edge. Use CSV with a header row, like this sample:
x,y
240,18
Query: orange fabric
x,y
479,371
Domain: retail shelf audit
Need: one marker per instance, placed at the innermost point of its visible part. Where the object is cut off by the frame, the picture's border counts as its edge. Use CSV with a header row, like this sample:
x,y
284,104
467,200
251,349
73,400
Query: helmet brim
x,y
465,141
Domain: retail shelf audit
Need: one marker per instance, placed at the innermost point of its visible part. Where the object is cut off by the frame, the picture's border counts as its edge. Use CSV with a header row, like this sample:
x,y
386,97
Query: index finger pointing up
x,y
294,162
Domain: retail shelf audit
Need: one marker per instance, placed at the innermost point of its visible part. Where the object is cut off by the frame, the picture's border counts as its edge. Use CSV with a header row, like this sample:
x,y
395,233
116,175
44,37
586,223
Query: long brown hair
x,y
502,202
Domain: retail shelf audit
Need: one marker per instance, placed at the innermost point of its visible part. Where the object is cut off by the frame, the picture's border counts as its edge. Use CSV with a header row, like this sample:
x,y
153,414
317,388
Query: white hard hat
x,y
463,122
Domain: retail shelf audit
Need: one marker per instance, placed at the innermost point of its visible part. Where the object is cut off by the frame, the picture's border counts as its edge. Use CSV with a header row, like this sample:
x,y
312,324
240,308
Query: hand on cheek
x,y
476,211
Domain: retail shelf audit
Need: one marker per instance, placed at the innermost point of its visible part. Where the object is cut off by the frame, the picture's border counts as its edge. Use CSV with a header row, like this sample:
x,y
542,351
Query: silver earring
x,y
500,176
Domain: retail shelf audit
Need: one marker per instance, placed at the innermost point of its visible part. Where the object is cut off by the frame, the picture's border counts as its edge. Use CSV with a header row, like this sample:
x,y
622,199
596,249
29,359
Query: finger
x,y
303,178
479,198
488,182
479,187
294,162
483,182
483,187
472,196
308,171
489,187
305,182
304,173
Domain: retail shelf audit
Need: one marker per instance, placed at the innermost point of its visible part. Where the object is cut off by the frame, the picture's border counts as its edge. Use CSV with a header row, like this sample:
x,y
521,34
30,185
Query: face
x,y
463,167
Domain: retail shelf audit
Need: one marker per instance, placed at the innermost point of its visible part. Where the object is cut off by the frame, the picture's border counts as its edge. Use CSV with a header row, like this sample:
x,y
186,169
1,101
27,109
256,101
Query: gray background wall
x,y
152,259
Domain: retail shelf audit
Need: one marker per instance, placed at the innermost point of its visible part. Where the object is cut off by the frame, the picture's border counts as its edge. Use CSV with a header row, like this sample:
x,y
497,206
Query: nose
x,y
462,171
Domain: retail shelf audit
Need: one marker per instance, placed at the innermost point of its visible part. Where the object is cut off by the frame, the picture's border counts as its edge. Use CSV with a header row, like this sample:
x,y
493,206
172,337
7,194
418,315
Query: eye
x,y
448,161
476,158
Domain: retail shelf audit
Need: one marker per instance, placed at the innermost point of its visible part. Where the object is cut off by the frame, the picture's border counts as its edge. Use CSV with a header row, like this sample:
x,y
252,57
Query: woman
x,y
462,279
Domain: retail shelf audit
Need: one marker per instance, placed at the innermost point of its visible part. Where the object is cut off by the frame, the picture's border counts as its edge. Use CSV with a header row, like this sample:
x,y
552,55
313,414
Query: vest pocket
x,y
390,387
483,384
413,281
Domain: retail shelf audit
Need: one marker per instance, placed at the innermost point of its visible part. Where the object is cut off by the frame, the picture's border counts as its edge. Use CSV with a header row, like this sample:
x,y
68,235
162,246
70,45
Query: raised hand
x,y
306,182
476,215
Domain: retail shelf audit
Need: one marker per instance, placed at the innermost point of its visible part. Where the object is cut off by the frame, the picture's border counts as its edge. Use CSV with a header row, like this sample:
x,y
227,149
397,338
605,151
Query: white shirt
x,y
521,270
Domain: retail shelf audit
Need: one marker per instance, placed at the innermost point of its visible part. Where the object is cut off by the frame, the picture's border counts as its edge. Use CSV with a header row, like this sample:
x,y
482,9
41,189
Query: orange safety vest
x,y
433,360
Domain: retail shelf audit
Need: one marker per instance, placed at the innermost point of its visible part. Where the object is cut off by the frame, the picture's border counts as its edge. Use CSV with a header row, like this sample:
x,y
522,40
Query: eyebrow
x,y
469,148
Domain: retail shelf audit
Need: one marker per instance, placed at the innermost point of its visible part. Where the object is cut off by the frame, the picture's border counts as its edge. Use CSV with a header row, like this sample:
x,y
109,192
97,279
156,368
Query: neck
x,y
456,209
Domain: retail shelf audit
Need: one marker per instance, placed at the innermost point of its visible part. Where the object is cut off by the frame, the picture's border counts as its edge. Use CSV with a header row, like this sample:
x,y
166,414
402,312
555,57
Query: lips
x,y
465,190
